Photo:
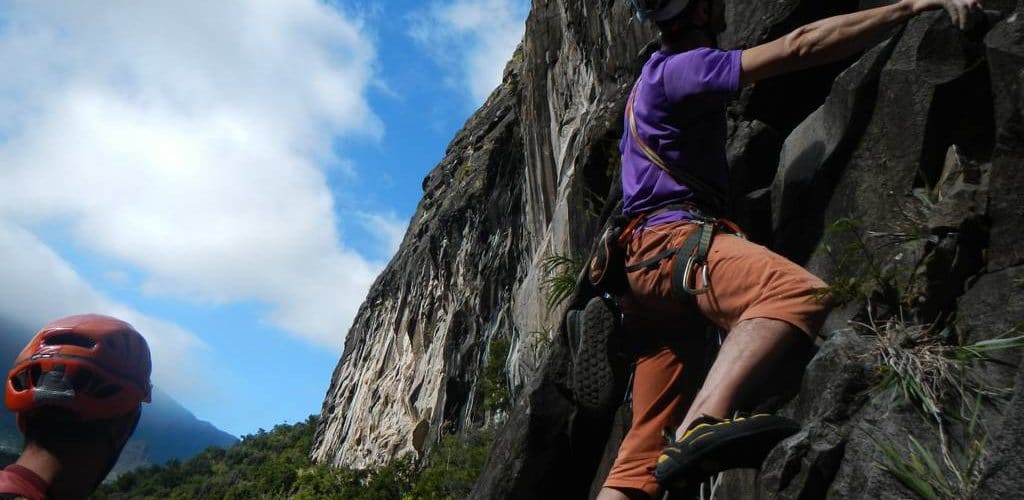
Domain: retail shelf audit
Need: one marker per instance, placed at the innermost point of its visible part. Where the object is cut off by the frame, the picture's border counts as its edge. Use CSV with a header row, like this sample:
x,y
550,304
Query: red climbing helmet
x,y
97,367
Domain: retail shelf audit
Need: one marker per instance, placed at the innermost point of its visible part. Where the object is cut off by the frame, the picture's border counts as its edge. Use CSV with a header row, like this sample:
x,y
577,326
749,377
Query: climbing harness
x,y
691,275
607,269
691,259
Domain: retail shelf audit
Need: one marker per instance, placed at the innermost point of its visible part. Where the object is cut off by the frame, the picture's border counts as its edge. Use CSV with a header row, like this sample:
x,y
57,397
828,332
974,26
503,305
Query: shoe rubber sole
x,y
594,377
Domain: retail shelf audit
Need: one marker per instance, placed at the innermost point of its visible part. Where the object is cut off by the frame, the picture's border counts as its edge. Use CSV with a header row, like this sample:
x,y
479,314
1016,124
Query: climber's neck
x,y
688,40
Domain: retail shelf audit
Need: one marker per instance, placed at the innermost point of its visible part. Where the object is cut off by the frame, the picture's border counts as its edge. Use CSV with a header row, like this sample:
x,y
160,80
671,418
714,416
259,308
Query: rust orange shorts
x,y
747,281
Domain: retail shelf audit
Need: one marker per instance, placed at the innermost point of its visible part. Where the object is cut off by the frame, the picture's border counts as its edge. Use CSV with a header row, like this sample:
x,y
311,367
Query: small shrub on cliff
x,y
561,272
537,345
494,382
857,273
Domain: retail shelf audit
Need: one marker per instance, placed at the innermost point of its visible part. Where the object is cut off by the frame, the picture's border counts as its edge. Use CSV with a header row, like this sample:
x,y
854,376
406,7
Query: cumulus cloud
x,y
39,286
188,140
475,38
386,228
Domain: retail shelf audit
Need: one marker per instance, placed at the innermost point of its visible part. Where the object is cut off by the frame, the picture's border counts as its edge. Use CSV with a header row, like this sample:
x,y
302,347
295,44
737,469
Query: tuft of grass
x,y
979,351
935,376
1019,282
920,471
561,273
931,373
538,342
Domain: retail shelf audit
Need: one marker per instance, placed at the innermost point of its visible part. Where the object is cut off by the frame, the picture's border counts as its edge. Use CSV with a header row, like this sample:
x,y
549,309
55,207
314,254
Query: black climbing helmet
x,y
658,10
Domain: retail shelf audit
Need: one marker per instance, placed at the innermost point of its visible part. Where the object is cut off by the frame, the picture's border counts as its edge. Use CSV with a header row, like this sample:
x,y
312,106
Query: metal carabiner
x,y
690,264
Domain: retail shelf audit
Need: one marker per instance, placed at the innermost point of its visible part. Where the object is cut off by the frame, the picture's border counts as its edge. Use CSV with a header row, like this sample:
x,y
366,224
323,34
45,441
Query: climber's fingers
x,y
964,13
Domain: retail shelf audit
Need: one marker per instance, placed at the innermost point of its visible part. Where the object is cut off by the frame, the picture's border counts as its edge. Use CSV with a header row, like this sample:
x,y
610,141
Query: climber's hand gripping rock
x,y
963,12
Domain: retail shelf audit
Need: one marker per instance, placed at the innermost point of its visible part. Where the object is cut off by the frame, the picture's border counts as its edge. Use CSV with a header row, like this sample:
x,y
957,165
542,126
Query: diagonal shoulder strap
x,y
680,176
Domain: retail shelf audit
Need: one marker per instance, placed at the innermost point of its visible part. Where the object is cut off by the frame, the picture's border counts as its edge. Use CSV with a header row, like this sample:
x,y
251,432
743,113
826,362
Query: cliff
x,y
894,175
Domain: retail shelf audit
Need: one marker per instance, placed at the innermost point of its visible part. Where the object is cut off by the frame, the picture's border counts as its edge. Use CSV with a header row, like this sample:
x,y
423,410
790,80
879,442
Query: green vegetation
x,y
938,379
561,272
538,342
275,464
850,283
921,473
494,382
928,365
453,468
933,375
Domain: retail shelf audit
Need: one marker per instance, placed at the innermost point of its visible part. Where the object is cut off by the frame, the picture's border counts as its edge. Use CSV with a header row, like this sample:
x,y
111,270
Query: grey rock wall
x,y
526,179
919,140
412,358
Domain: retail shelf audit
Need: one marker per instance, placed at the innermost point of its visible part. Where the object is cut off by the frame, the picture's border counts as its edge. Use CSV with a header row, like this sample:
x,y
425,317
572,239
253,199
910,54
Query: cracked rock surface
x,y
918,143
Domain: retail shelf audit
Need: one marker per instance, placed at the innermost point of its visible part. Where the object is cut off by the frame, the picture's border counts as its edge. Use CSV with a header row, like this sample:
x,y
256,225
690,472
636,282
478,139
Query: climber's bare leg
x,y
752,354
616,494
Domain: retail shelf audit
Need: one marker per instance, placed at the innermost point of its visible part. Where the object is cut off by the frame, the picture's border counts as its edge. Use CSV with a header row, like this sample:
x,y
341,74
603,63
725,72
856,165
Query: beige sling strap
x,y
713,194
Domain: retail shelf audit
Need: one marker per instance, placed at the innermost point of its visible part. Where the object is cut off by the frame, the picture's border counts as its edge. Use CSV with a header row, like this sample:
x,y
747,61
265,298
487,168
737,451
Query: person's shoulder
x,y
20,483
696,56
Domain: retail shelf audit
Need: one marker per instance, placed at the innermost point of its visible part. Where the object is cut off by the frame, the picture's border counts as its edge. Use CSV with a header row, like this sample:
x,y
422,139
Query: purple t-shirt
x,y
680,113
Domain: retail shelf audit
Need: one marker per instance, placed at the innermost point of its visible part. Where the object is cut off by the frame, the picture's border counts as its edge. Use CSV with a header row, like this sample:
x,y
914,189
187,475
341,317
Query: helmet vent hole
x,y
83,380
70,339
106,391
34,373
20,381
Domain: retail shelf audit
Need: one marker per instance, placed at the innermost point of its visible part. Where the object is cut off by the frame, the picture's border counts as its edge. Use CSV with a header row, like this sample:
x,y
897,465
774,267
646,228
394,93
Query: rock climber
x,y
674,176
77,390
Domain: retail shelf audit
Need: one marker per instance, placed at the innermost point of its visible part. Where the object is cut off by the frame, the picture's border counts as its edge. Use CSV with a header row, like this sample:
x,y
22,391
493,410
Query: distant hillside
x,y
175,433
276,465
10,439
167,432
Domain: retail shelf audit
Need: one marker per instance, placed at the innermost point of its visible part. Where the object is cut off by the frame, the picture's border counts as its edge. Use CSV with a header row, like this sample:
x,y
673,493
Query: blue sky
x,y
228,176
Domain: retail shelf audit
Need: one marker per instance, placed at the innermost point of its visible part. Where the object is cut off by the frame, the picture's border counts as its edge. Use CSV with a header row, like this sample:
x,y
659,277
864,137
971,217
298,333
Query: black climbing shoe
x,y
711,446
593,334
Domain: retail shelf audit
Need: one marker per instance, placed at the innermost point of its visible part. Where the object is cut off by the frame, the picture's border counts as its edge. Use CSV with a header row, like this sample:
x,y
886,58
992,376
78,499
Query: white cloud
x,y
388,229
475,38
39,287
188,141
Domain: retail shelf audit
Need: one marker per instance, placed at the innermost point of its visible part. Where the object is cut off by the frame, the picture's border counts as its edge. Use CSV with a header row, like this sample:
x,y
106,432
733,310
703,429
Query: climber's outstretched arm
x,y
839,37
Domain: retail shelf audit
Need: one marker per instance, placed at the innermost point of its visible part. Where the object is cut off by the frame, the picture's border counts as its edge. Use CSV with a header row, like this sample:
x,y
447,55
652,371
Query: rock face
x,y
526,179
916,144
